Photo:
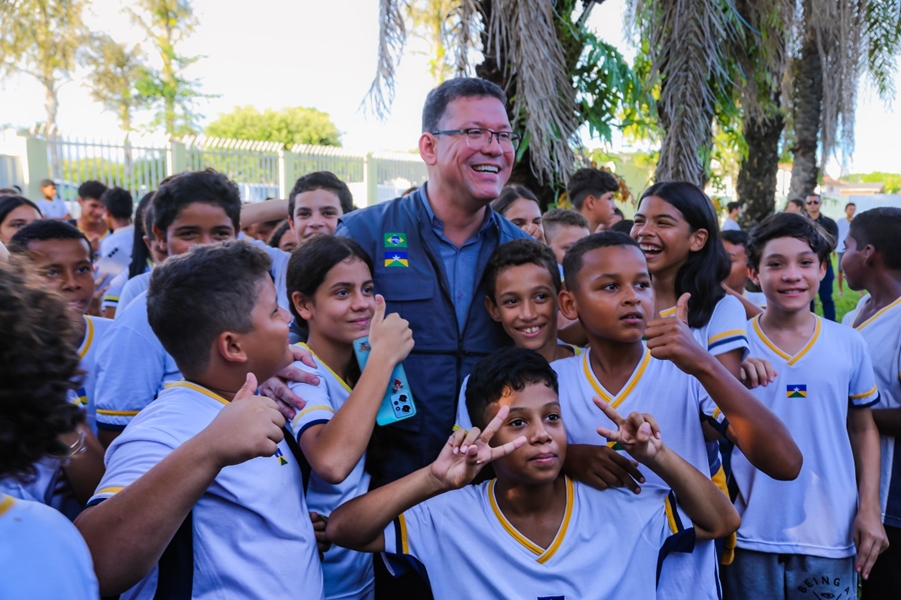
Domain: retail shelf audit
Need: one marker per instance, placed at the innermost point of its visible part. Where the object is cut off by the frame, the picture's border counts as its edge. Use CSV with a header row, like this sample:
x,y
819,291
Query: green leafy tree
x,y
289,126
43,39
116,70
892,181
166,23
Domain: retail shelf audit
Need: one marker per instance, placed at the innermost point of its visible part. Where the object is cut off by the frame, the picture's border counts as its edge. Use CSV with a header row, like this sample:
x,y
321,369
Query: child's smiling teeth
x,y
530,330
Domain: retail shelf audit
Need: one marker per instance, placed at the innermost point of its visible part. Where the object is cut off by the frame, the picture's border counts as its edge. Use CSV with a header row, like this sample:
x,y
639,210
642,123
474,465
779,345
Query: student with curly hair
x,y
37,362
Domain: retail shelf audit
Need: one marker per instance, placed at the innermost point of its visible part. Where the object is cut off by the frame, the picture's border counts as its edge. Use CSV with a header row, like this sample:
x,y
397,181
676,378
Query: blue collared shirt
x,y
460,264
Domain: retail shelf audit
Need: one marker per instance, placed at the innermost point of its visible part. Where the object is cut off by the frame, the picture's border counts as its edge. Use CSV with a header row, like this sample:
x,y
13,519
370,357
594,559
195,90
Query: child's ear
x,y
697,240
567,303
754,276
492,309
230,348
823,264
302,305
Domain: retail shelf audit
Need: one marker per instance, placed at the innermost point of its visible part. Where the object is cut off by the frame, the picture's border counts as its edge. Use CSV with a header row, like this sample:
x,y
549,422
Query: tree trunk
x,y
808,101
51,104
756,184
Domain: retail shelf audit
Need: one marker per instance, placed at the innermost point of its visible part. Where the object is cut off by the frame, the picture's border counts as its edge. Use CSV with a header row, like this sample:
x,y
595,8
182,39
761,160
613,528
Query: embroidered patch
x,y
395,240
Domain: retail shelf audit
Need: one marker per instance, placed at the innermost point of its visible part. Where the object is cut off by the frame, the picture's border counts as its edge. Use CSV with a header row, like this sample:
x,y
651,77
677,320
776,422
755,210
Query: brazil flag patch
x,y
395,240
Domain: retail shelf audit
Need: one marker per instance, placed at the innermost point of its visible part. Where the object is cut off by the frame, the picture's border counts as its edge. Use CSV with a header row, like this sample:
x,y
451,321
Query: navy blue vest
x,y
441,357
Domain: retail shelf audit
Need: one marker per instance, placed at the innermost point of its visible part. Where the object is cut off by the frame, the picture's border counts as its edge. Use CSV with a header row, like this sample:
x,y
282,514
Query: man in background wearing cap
x,y
52,205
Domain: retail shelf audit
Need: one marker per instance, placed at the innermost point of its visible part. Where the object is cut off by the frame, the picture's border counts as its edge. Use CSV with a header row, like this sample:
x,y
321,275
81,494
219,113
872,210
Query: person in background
x,y
15,213
616,217
41,553
315,204
843,226
521,207
562,229
278,239
591,192
733,210
52,206
263,230
795,206
116,248
736,244
814,205
92,220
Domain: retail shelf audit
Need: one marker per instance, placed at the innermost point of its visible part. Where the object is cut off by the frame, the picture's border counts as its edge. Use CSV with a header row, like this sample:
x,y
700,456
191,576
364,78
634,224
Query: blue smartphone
x,y
397,404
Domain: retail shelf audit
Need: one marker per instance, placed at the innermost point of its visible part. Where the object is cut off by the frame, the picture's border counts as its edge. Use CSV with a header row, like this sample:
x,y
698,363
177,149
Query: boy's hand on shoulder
x,y
390,336
466,452
638,434
277,387
669,338
757,371
249,427
869,539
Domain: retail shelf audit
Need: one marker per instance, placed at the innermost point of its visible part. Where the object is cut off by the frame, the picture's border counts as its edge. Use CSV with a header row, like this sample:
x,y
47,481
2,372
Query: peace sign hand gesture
x,y
638,434
465,453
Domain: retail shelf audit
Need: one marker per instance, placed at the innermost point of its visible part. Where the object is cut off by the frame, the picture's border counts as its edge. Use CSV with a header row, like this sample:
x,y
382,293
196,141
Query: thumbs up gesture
x,y
389,335
249,427
669,338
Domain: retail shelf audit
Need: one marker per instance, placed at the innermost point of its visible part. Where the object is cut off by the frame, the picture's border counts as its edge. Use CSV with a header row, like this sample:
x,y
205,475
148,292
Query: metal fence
x,y
139,163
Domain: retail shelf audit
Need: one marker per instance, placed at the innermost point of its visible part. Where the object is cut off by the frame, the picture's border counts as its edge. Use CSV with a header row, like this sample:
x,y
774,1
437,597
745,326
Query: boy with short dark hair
x,y
92,220
195,208
203,478
823,391
315,204
52,206
562,229
591,190
115,249
872,262
733,211
531,531
691,394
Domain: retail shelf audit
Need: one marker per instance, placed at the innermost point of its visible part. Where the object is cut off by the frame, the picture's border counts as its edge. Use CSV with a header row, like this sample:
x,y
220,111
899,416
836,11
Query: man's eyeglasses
x,y
478,138
809,202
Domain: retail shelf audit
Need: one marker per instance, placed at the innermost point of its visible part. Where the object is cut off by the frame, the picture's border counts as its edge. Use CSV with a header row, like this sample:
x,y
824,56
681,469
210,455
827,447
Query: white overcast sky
x,y
277,53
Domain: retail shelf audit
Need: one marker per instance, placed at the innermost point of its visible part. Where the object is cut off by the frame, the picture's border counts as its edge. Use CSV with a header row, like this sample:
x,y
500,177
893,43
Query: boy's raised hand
x,y
249,427
669,338
465,453
390,336
277,387
638,434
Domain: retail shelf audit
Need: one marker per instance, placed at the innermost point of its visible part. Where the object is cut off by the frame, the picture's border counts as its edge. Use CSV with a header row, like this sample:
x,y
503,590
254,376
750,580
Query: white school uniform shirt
x,y
812,393
844,226
249,535
133,288
85,395
730,225
755,298
113,293
726,330
462,420
347,574
679,403
608,545
42,555
882,333
132,367
115,250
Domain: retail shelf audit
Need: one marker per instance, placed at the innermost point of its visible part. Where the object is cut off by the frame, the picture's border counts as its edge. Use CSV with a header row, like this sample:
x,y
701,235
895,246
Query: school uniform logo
x,y
281,457
395,240
396,259
796,391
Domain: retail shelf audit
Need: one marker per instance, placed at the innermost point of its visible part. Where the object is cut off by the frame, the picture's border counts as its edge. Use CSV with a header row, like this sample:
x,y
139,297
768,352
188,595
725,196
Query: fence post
x,y
35,165
176,158
286,176
370,179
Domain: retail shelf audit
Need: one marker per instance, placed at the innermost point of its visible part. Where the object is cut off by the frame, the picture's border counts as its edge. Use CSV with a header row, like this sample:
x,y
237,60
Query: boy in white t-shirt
x,y
203,477
41,553
692,395
533,532
872,262
800,536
